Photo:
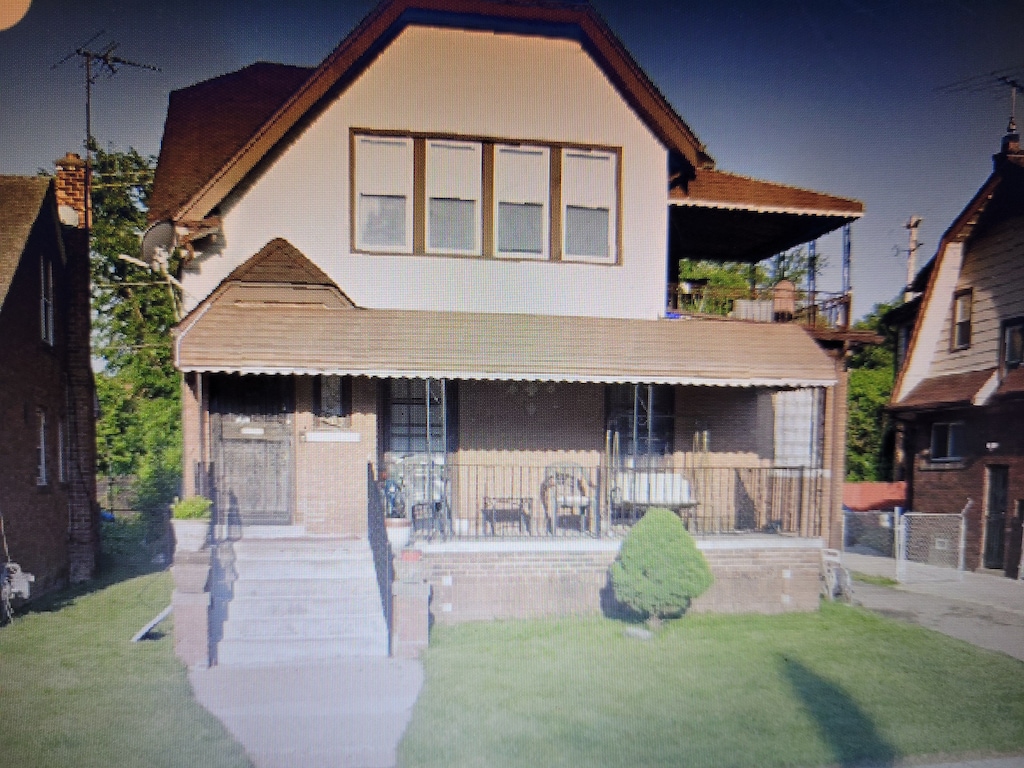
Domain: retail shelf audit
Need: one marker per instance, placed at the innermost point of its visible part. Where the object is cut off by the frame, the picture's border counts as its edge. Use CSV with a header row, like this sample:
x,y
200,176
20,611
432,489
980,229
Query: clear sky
x,y
841,96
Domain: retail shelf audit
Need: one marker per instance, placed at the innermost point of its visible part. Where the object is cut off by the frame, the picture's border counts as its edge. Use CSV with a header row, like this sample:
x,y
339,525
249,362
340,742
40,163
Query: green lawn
x,y
837,687
74,691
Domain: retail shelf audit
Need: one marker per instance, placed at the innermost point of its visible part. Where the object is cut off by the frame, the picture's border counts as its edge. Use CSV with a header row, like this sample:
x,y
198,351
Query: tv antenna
x,y
96,62
992,82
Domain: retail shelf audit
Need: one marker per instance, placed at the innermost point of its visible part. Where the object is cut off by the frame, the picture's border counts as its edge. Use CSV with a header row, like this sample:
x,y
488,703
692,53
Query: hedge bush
x,y
659,570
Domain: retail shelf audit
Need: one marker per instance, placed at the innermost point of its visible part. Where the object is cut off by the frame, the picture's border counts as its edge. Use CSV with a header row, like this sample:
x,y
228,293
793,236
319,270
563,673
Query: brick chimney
x,y
70,187
1010,150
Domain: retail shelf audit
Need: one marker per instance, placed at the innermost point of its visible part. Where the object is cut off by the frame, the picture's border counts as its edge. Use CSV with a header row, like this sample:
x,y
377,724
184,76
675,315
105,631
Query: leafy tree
x,y
139,431
869,438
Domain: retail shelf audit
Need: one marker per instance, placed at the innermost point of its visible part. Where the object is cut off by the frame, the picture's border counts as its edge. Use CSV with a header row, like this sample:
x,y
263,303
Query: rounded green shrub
x,y
659,570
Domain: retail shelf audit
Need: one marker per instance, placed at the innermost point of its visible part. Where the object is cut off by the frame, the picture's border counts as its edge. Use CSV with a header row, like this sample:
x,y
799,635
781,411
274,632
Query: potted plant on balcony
x,y
190,519
397,525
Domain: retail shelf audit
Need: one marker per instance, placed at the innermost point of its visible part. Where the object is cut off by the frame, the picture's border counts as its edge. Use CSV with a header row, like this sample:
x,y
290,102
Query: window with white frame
x,y
948,440
522,198
384,193
453,192
46,300
961,338
41,473
589,201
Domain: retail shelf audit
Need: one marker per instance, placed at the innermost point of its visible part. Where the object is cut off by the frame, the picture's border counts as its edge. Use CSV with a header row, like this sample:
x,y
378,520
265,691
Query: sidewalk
x,y
985,610
348,712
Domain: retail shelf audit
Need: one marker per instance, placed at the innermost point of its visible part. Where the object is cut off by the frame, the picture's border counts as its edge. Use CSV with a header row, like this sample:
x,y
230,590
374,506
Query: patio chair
x,y
566,498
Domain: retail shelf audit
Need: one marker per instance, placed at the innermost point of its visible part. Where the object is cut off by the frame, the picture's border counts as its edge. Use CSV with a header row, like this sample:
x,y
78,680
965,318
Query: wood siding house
x,y
47,400
447,250
958,393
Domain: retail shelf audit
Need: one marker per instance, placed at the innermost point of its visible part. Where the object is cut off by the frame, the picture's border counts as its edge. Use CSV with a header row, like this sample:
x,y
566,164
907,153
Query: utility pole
x,y
912,225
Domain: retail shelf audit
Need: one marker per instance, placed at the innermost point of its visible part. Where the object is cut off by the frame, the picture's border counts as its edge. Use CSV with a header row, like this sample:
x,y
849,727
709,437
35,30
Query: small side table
x,y
507,509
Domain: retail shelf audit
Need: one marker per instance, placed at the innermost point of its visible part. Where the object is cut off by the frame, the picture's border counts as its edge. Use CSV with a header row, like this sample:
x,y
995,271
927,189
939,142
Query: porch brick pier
x,y
191,603
410,607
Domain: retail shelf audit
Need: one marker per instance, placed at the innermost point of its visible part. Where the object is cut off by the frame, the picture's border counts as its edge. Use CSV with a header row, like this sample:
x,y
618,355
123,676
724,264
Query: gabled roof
x,y
21,199
196,182
1001,193
208,123
958,389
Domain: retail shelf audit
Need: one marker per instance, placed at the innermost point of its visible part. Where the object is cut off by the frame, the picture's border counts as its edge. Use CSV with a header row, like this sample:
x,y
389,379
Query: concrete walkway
x,y
344,713
986,610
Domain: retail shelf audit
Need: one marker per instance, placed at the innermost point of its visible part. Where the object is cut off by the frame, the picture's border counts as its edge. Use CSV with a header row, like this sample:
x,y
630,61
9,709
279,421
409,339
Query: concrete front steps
x,y
296,599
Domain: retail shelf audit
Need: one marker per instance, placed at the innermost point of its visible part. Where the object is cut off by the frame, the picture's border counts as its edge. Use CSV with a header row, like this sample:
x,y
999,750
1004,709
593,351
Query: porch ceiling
x,y
311,334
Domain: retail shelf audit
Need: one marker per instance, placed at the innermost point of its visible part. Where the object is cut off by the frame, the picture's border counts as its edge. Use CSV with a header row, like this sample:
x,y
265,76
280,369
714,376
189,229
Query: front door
x,y
997,482
251,424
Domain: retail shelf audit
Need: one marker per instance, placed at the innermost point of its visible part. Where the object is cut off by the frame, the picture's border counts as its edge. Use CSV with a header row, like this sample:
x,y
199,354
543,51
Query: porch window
x,y
961,337
454,183
588,204
333,398
799,427
384,193
642,416
948,440
421,416
42,477
522,192
1013,344
46,324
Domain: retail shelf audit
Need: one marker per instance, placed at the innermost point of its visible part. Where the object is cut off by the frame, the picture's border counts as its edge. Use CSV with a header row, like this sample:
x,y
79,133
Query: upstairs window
x,y
961,336
522,194
1013,344
46,300
384,193
453,191
42,477
948,441
589,181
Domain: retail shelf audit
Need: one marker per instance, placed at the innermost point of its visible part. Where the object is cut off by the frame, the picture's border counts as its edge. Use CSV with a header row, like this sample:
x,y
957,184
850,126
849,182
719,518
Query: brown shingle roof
x,y
21,198
718,189
1012,384
945,391
242,128
209,122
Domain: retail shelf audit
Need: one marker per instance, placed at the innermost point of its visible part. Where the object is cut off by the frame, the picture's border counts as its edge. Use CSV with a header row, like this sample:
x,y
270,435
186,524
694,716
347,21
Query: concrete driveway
x,y
982,609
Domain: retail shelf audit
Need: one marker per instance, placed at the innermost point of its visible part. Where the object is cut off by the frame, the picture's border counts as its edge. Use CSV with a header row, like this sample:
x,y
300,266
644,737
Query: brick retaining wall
x,y
472,581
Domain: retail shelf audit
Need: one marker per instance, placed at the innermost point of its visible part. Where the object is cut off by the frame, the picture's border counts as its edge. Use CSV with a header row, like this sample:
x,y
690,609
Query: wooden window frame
x,y
1005,366
488,204
957,323
948,456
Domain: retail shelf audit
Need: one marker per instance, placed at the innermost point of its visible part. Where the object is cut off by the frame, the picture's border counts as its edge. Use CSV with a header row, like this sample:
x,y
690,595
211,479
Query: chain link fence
x,y
930,547
869,533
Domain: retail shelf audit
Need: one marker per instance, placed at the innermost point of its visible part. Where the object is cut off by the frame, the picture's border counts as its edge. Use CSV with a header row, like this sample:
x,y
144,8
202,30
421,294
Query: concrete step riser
x,y
365,627
266,652
300,589
300,569
312,555
251,608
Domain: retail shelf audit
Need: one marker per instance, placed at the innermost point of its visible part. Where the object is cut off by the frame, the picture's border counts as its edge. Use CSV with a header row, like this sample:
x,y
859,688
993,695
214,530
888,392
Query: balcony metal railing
x,y
485,501
820,309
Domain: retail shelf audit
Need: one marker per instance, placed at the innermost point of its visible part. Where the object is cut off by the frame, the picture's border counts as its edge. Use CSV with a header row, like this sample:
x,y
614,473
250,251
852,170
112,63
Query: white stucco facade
x,y
450,82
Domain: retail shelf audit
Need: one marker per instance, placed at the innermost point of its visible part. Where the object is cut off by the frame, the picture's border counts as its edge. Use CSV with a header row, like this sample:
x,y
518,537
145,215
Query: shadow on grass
x,y
128,550
847,729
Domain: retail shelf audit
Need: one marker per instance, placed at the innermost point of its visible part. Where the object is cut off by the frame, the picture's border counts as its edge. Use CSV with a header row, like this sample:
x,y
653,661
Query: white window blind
x,y
522,191
588,204
454,181
384,190
798,428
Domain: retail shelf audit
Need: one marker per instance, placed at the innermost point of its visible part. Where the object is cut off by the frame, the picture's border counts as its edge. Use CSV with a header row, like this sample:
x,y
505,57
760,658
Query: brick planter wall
x,y
478,580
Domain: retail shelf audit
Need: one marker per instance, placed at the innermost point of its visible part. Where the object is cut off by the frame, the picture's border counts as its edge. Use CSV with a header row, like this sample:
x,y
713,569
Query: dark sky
x,y
840,96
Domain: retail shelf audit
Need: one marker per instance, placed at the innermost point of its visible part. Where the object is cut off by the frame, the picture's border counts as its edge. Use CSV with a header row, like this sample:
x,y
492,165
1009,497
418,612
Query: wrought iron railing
x,y
484,501
820,309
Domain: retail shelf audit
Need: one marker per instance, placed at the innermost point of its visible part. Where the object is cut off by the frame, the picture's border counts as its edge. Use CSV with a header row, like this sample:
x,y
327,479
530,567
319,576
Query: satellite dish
x,y
68,215
159,236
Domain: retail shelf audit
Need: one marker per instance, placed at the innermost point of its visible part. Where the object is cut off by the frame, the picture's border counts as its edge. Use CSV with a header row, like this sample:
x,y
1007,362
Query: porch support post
x,y
410,606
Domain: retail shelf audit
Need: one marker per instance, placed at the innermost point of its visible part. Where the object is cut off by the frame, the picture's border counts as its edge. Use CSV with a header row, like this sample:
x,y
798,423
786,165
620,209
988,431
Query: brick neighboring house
x,y
47,430
958,396
452,249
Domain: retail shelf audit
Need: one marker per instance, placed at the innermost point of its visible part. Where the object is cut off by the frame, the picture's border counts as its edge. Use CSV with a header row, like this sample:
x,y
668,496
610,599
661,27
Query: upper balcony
x,y
781,303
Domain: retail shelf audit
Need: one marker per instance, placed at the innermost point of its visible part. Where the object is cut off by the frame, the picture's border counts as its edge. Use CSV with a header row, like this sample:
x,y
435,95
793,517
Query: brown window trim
x,y
488,144
1004,326
953,346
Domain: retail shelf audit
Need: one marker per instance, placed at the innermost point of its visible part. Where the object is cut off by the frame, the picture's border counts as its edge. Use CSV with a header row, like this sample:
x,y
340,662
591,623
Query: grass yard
x,y
75,692
839,687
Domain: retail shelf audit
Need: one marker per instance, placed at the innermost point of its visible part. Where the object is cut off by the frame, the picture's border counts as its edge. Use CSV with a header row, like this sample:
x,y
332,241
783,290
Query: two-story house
x,y
47,401
446,252
958,392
